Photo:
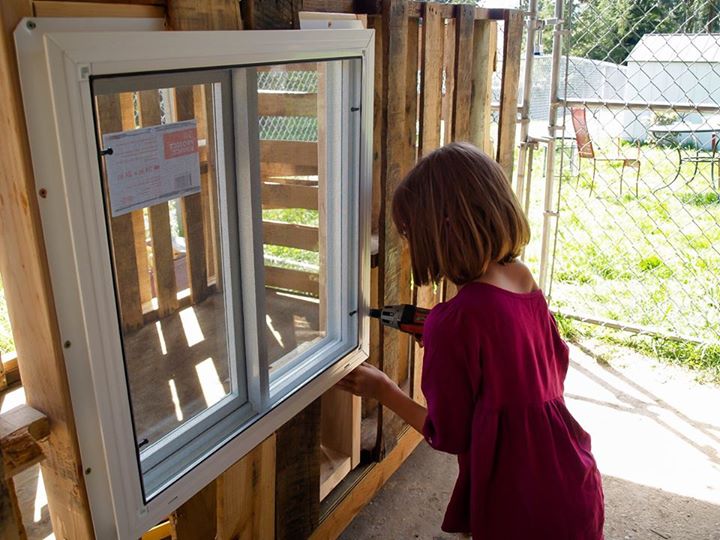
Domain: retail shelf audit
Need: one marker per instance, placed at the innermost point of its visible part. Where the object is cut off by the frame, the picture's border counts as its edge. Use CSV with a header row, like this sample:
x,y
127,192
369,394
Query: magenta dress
x,y
493,378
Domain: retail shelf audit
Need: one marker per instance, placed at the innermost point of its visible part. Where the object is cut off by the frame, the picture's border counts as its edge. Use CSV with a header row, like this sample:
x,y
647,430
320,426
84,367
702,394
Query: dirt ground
x,y
656,437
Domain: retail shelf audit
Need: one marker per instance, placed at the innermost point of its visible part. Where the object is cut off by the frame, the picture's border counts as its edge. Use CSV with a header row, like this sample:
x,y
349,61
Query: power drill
x,y
405,317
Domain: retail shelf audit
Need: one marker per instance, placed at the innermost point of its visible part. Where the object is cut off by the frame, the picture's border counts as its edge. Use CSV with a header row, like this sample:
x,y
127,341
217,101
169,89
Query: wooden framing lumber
x,y
297,489
292,280
303,154
507,123
462,91
361,494
431,79
449,70
289,196
159,219
204,15
292,235
484,51
96,9
393,258
286,104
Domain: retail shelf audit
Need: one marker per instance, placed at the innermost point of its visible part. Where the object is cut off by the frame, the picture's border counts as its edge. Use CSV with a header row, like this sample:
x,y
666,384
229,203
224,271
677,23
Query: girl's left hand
x,y
365,380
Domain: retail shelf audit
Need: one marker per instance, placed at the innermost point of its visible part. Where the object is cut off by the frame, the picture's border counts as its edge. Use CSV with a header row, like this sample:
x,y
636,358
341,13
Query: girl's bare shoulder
x,y
514,277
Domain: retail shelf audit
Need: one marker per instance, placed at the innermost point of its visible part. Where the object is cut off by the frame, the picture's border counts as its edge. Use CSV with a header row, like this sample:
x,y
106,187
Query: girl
x,y
494,363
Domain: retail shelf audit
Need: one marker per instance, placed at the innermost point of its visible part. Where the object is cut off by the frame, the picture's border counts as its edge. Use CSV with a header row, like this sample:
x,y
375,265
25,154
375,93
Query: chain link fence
x,y
637,241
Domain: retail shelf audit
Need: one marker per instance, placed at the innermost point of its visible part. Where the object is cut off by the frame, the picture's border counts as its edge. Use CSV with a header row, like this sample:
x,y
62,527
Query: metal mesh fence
x,y
638,234
288,128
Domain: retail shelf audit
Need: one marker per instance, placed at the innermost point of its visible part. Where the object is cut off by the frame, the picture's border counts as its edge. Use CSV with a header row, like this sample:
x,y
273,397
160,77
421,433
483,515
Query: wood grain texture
x,y
292,235
449,70
507,122
192,211
393,256
289,196
363,492
204,15
279,104
196,519
431,79
302,154
378,127
110,120
292,280
462,92
29,297
484,53
246,496
96,9
271,14
159,221
297,489
11,525
340,423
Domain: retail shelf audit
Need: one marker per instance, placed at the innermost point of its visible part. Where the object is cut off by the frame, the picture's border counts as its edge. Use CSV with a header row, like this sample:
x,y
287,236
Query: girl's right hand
x,y
366,381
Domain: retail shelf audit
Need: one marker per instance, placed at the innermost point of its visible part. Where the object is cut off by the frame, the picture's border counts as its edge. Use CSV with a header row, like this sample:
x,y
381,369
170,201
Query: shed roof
x,y
676,48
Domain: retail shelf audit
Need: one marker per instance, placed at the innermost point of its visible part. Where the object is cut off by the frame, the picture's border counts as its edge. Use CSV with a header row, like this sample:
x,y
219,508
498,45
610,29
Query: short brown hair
x,y
458,212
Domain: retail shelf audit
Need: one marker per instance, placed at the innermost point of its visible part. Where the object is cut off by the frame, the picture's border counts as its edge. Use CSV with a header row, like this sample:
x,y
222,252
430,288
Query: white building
x,y
677,69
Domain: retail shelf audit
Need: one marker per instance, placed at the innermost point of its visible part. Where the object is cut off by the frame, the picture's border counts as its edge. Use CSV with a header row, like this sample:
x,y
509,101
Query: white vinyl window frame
x,y
58,60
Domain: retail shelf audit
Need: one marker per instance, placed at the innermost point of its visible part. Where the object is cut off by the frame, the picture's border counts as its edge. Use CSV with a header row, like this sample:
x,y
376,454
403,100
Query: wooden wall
x,y
434,66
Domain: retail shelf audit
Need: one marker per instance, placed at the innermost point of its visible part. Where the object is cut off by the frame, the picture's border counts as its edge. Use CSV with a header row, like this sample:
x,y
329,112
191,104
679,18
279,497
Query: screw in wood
x,y
88,470
31,25
67,344
43,193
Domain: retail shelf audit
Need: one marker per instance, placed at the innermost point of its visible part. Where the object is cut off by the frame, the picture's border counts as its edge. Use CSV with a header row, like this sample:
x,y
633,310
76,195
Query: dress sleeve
x,y
447,383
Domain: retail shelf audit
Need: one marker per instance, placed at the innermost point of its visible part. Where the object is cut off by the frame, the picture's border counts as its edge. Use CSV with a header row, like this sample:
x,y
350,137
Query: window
x,y
206,222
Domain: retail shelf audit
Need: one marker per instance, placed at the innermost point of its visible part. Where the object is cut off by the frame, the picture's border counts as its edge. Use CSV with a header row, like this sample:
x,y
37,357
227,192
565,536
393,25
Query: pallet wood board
x,y
507,123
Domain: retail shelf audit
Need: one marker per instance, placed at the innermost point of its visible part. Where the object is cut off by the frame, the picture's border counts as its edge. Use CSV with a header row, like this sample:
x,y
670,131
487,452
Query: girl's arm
x,y
369,382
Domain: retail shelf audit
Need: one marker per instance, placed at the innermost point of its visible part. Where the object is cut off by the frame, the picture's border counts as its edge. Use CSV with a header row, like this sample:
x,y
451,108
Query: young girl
x,y
494,363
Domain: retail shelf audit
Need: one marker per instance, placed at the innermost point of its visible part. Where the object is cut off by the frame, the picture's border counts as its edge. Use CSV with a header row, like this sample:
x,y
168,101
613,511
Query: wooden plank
x,y
290,66
484,53
159,221
159,532
303,154
507,122
286,170
192,212
431,79
96,9
11,525
289,196
334,466
463,72
263,15
393,257
121,231
293,235
196,518
378,128
340,424
246,496
297,489
292,280
28,292
23,418
363,492
287,104
449,65
199,15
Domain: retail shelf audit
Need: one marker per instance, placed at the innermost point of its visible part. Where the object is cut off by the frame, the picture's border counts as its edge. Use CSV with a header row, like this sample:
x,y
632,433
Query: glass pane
x,y
163,164
292,111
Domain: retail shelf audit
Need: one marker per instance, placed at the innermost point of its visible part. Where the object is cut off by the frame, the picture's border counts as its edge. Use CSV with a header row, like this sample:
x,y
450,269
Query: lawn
x,y
649,260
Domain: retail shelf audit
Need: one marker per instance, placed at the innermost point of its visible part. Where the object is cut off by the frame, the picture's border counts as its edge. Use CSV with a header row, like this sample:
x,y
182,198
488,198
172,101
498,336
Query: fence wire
x,y
638,233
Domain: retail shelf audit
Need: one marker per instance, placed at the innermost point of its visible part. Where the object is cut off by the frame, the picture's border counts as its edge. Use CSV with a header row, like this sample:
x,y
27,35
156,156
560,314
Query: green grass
x,y
649,260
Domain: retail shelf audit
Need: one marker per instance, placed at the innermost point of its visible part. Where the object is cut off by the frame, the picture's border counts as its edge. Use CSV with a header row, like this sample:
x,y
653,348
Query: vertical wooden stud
x,y
26,282
192,214
159,218
195,519
246,496
463,72
449,76
431,79
507,122
393,257
484,51
297,490
122,232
